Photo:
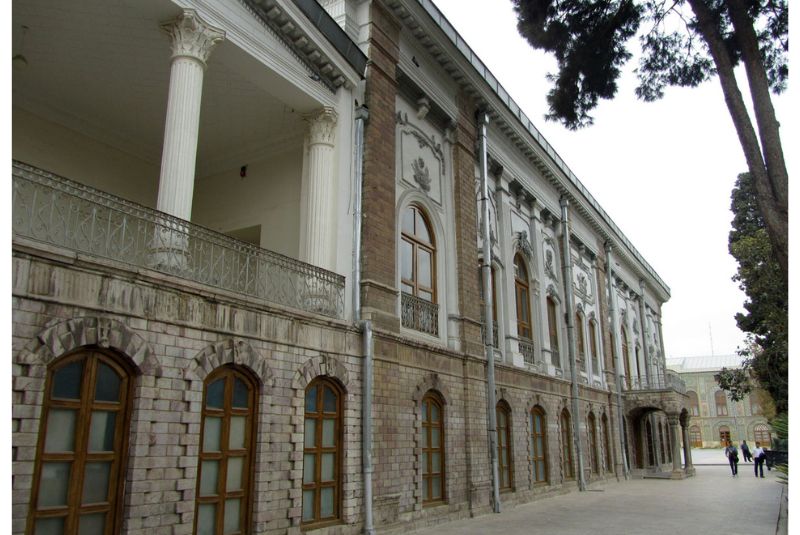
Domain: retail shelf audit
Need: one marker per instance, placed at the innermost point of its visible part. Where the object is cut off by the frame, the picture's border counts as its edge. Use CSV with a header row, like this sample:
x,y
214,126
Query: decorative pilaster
x,y
317,234
192,42
644,337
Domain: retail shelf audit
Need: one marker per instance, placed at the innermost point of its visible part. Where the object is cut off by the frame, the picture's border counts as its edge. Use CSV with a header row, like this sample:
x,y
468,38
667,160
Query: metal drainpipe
x,y
612,305
569,297
366,327
486,272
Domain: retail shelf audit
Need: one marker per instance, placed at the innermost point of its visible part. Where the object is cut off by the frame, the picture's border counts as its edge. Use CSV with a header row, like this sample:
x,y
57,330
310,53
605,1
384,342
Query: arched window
x,y
504,445
80,461
626,359
591,423
581,341
566,445
433,462
593,349
724,435
539,445
418,273
322,451
552,324
522,290
226,452
694,403
762,435
638,368
755,406
695,437
607,444
721,401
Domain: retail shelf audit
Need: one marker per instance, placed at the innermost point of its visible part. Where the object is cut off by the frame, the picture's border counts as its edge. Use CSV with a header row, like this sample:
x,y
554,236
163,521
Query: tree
x,y
766,309
683,43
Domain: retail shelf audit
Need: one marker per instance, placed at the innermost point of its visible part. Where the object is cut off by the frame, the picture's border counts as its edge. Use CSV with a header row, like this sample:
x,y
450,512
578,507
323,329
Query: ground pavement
x,y
710,503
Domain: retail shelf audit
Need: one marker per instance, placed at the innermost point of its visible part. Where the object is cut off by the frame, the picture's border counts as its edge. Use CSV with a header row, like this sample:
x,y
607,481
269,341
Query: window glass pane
x,y
212,433
434,412
49,526
232,508
95,482
328,435
425,494
206,519
311,433
237,432
53,484
311,399
215,394
407,288
538,419
427,296
309,463
241,394
107,386
326,502
60,430
93,524
503,479
501,421
540,471
67,381
504,456
408,221
436,462
424,437
425,267
422,229
406,255
308,505
329,400
209,476
539,446
234,475
435,437
101,431
436,490
327,468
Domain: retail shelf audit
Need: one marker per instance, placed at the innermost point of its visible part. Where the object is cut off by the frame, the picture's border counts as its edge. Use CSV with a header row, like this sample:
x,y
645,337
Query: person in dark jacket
x,y
746,452
733,458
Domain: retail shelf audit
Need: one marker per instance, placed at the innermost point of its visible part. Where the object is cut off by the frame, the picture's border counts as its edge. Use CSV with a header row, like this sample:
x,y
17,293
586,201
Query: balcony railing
x,y
51,209
419,314
660,381
526,348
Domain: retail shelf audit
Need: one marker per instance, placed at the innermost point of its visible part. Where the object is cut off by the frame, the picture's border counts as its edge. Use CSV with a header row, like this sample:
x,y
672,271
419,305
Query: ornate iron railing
x,y
58,211
526,348
660,381
419,314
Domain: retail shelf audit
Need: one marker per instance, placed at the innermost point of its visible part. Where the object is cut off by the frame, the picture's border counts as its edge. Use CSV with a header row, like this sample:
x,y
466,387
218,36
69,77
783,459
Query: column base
x,y
678,474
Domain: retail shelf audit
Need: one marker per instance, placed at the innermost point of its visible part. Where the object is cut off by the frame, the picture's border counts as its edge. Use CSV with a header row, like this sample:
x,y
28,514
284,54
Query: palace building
x,y
250,240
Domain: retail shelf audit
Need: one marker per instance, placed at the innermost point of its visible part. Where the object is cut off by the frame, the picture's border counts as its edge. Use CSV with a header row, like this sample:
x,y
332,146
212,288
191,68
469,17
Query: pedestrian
x,y
758,458
748,458
733,458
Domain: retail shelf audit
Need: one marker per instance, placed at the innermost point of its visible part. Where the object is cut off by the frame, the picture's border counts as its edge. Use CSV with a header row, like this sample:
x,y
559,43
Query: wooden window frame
x,y
552,328
607,443
695,436
566,445
522,295
417,244
591,422
229,373
722,408
80,456
759,432
318,450
505,441
595,354
536,455
428,474
724,434
580,341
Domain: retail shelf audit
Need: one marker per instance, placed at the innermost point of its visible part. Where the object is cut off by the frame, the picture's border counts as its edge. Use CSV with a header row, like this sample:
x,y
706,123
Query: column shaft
x,y
318,227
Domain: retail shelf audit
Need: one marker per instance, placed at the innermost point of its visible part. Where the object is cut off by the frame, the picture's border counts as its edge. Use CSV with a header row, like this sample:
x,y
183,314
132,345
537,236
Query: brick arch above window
x,y
430,382
322,365
230,351
106,333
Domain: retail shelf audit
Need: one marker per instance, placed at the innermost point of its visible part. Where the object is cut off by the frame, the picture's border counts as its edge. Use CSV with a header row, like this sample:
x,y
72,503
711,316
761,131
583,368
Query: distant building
x,y
715,418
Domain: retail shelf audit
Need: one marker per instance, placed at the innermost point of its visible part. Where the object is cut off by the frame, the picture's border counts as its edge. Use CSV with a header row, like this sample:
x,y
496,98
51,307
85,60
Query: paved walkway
x,y
710,503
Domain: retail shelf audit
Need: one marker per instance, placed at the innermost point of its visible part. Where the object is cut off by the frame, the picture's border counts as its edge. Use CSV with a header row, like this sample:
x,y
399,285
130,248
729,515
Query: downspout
x,y
571,343
362,114
612,305
486,272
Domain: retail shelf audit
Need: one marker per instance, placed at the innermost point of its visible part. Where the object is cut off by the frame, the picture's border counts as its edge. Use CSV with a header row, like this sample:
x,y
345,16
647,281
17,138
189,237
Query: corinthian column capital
x,y
322,126
192,37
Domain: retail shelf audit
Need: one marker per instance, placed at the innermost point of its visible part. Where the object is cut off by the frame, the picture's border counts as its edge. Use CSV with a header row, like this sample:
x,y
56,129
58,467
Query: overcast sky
x,y
663,171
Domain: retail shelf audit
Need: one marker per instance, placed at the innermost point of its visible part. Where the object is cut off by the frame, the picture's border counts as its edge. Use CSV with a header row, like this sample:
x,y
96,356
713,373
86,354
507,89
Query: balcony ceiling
x,y
101,67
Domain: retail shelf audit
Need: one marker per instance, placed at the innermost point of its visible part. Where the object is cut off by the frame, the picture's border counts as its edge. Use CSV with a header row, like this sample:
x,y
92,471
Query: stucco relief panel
x,y
420,157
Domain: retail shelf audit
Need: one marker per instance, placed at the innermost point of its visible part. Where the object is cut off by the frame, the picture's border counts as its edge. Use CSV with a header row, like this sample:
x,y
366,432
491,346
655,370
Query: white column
x,y
192,42
318,228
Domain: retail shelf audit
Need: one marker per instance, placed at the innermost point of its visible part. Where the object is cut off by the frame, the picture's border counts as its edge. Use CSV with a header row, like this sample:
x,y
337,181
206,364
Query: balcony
x,y
56,211
526,348
419,314
661,381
